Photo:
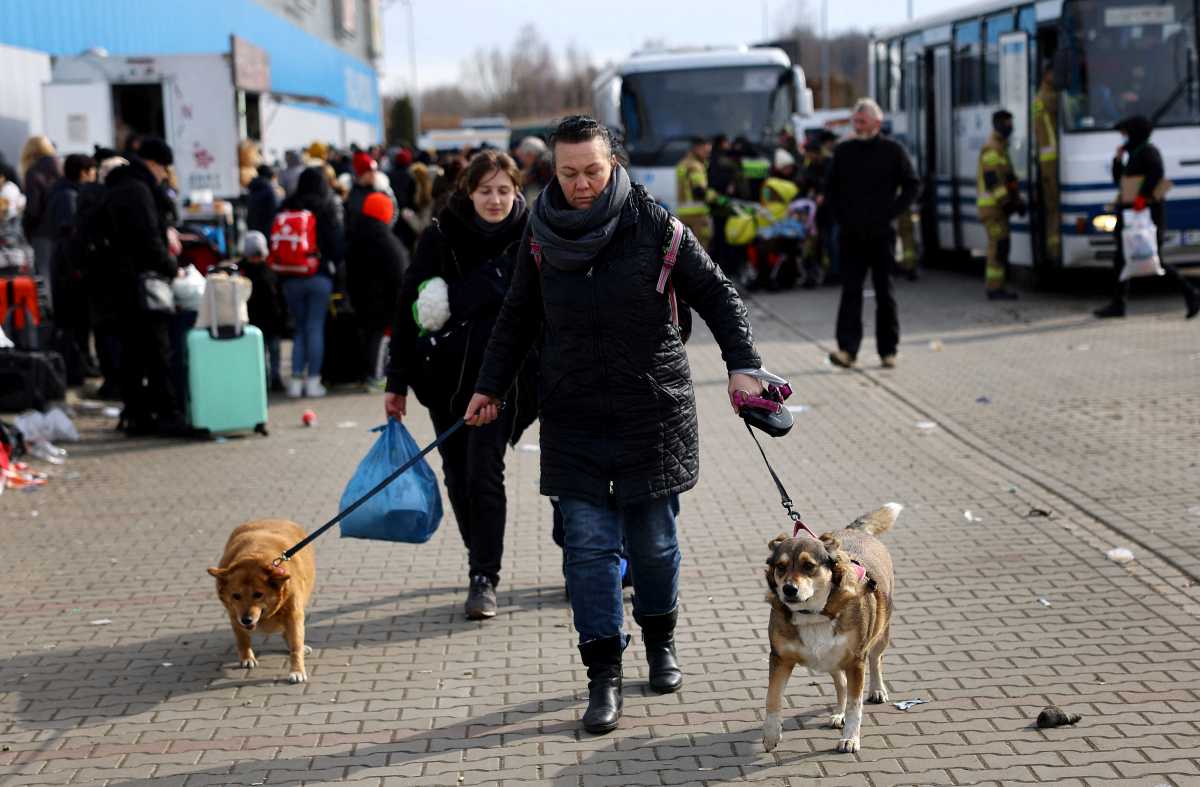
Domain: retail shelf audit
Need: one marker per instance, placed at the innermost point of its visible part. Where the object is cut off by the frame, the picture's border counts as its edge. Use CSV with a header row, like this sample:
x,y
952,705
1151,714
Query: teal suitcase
x,y
227,382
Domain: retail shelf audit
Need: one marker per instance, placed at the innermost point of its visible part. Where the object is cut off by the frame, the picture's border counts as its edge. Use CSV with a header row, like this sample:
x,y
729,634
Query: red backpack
x,y
294,243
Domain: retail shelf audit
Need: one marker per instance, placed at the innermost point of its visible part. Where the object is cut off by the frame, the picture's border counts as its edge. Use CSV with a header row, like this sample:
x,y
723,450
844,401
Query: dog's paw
x,y
297,677
308,650
848,745
878,696
837,720
249,662
772,731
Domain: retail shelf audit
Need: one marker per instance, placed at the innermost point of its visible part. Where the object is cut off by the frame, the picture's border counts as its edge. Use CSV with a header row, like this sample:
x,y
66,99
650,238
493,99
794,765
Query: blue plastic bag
x,y
408,509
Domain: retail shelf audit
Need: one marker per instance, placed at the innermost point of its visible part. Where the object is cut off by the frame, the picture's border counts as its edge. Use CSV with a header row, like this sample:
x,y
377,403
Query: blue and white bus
x,y
941,78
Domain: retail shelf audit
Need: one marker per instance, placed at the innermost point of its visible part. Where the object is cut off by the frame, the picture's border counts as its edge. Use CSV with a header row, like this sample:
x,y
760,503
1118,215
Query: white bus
x,y
659,101
940,79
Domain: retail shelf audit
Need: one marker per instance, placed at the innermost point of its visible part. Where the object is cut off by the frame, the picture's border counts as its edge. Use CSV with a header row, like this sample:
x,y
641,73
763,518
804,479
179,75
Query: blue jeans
x,y
308,301
593,535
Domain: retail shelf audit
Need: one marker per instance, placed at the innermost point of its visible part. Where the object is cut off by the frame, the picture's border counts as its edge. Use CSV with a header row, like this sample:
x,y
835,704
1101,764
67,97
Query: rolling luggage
x,y
227,378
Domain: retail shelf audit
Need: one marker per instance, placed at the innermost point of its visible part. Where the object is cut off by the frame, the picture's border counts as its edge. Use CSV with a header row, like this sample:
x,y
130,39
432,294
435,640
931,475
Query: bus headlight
x,y
1105,222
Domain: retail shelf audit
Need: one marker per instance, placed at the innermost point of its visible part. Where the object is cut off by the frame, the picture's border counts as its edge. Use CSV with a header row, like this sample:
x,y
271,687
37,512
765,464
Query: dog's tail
x,y
879,522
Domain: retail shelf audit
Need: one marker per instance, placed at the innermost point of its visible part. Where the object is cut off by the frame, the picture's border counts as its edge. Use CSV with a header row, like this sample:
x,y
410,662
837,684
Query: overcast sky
x,y
447,31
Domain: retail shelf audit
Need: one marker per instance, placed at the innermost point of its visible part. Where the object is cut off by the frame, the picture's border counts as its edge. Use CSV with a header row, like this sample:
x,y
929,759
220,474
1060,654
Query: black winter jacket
x,y
137,214
314,194
375,264
262,203
617,409
39,180
477,270
869,183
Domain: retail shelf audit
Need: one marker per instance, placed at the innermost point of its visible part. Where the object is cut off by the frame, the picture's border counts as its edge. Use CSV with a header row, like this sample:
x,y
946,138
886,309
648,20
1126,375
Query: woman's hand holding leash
x,y
482,410
743,382
395,405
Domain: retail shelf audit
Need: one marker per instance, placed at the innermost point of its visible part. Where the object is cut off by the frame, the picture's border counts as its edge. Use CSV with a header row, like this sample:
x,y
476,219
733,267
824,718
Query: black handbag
x,y
31,380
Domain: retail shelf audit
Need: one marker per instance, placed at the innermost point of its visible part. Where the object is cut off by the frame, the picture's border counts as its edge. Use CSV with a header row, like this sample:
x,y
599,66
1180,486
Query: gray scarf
x,y
571,238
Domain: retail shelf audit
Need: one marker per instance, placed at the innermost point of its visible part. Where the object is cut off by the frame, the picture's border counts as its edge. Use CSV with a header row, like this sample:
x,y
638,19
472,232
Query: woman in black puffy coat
x,y
617,410
451,295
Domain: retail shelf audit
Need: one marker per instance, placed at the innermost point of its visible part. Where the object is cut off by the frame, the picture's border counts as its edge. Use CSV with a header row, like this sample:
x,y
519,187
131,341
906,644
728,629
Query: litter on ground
x,y
797,408
1119,555
101,622
970,517
1044,602
936,345
906,704
926,425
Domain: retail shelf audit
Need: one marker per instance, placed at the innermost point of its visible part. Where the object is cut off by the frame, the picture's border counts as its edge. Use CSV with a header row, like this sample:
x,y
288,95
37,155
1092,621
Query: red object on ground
x,y
309,418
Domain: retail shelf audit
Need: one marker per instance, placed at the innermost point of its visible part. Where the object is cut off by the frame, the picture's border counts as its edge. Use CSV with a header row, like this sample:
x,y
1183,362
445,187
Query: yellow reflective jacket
x,y
692,193
1045,123
994,173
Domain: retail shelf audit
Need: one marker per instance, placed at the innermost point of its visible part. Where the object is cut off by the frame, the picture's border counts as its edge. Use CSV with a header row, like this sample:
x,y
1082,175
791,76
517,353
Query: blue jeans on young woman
x,y
593,535
308,302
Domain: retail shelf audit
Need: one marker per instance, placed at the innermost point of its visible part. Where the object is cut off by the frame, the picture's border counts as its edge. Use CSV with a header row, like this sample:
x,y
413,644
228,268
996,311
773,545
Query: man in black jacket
x,y
619,438
870,183
137,211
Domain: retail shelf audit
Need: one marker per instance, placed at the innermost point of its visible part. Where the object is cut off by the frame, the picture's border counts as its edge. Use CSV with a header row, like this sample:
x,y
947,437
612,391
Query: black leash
x,y
785,498
443,437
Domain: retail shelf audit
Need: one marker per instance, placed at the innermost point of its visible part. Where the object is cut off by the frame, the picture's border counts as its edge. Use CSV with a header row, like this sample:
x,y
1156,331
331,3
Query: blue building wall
x,y
300,63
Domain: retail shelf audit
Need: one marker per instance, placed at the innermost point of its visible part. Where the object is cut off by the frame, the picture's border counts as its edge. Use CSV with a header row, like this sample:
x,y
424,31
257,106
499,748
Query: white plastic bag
x,y
1139,241
188,289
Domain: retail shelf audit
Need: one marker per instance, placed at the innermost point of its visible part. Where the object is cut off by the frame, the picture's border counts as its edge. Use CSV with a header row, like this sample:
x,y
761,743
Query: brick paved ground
x,y
1096,423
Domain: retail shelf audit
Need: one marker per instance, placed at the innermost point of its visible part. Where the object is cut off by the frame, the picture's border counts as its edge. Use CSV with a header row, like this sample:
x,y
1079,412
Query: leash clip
x,y
277,562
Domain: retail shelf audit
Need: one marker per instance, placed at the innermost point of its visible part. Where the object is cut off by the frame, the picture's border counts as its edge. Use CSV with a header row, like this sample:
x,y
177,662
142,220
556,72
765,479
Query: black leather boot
x,y
603,660
658,632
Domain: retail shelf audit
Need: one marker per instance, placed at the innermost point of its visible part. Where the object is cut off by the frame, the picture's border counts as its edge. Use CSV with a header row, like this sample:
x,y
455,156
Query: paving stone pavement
x,y
1096,423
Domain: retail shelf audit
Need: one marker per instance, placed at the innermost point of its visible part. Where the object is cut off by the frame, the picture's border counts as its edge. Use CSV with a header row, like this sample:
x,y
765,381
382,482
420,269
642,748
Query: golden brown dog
x,y
831,610
260,597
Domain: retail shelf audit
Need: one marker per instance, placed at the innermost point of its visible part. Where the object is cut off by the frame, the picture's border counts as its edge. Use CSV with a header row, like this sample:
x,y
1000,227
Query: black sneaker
x,y
1114,309
1002,295
481,599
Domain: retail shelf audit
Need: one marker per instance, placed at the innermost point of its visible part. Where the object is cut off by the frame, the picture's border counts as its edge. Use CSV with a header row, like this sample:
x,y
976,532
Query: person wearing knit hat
x,y
363,165
318,152
375,263
266,306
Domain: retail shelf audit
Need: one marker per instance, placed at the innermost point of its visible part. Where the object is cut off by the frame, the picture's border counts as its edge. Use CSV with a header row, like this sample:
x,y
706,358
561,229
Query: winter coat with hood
x,y
39,181
262,203
617,408
477,268
137,213
314,194
375,265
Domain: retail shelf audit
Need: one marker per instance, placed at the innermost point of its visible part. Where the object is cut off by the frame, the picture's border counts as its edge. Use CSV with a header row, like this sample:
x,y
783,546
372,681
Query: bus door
x,y
941,124
1014,96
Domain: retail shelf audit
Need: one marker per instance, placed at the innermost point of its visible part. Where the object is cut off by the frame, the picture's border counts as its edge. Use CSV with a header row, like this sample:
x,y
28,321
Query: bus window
x,y
881,75
1027,20
996,26
1117,59
968,65
895,77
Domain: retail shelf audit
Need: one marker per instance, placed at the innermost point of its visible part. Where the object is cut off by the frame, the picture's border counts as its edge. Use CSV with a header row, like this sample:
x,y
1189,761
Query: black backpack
x,y
92,237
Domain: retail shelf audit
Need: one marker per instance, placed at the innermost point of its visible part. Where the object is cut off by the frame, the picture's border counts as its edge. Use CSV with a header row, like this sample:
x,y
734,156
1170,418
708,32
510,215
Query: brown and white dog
x,y
262,597
831,610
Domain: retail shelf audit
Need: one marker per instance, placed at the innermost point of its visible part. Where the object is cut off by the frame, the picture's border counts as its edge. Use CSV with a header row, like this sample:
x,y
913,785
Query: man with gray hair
x,y
536,168
871,182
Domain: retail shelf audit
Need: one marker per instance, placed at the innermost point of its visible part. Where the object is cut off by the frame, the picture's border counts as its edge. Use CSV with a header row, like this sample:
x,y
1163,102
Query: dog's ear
x,y
776,541
218,572
832,542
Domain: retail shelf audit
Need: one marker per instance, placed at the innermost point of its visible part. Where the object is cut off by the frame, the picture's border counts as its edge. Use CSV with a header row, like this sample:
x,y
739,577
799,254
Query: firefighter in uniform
x,y
1045,129
692,193
997,197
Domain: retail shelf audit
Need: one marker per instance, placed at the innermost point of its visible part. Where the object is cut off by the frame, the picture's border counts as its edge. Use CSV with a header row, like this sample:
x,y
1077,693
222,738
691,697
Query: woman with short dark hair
x,y
451,295
617,410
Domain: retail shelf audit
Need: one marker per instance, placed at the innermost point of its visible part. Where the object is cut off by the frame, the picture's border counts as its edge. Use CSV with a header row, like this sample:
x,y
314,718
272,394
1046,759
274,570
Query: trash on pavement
x,y
906,704
1038,512
983,400
308,418
1044,602
101,622
970,517
926,425
936,345
52,427
347,424
47,452
1054,716
1119,555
